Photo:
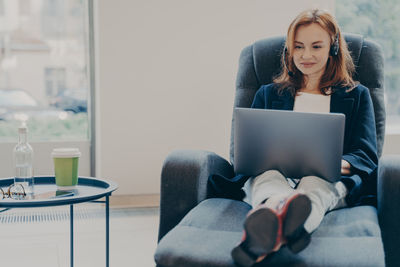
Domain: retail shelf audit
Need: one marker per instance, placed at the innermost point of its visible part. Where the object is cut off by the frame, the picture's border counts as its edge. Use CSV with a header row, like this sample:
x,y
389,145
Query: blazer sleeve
x,y
362,154
362,151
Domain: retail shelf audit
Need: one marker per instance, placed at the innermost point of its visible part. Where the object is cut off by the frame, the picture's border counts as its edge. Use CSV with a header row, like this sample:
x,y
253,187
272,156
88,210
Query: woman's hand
x,y
346,168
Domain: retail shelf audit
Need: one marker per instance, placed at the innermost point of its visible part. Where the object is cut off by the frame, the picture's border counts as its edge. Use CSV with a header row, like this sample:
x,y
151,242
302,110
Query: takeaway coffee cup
x,y
66,166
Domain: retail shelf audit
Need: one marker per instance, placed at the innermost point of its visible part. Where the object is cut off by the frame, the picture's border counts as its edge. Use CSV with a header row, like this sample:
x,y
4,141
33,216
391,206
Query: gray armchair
x,y
199,230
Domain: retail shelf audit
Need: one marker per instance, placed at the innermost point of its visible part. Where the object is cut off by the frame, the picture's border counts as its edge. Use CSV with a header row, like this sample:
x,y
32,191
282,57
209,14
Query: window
x,y
47,65
378,20
44,79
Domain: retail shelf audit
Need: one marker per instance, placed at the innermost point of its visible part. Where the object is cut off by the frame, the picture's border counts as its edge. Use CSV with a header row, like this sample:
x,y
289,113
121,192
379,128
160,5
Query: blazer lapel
x,y
283,102
341,102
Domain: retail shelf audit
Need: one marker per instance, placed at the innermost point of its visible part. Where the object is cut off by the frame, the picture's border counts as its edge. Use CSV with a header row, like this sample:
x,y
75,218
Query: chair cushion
x,y
207,234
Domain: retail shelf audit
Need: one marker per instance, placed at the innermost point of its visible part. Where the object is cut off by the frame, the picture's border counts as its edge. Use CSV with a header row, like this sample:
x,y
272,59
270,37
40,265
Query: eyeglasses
x,y
14,191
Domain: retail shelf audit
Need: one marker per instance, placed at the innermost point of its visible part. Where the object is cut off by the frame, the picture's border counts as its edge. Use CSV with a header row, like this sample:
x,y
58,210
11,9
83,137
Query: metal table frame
x,y
105,190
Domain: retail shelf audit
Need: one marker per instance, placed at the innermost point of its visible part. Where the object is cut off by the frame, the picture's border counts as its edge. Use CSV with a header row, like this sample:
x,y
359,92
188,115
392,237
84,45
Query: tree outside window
x,y
379,21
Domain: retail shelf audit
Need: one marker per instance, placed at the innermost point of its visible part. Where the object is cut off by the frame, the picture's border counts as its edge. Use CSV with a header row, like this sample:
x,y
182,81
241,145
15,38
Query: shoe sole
x,y
261,234
297,213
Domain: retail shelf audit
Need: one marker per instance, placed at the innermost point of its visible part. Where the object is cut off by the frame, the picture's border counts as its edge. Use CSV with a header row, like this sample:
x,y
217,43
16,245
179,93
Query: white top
x,y
317,103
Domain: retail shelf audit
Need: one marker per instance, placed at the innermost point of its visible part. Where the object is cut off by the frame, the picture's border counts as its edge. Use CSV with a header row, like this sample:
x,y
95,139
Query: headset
x,y
333,51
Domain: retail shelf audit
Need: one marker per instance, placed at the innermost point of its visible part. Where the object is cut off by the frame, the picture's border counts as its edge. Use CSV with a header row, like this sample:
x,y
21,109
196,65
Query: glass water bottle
x,y
23,161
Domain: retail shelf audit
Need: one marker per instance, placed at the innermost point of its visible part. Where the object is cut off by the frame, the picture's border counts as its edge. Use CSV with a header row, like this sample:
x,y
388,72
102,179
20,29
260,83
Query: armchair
x,y
197,229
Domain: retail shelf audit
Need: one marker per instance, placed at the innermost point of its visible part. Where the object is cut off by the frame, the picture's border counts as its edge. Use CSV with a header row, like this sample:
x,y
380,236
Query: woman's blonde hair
x,y
339,68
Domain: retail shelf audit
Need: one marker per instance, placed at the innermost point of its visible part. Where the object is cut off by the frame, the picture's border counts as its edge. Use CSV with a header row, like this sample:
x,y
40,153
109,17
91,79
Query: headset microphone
x,y
290,73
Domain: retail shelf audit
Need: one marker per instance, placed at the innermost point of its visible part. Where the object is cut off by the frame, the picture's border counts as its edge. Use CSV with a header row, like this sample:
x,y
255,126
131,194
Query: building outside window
x,y
24,7
55,82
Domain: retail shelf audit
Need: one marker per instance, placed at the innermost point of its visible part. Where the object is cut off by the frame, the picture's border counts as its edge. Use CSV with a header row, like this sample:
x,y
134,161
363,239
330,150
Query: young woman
x,y
316,77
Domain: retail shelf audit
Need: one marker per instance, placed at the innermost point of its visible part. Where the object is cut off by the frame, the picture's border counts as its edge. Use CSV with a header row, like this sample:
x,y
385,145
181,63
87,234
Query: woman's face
x,y
311,50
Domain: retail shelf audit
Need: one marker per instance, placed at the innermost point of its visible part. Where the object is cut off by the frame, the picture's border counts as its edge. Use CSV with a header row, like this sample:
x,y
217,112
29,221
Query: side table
x,y
88,189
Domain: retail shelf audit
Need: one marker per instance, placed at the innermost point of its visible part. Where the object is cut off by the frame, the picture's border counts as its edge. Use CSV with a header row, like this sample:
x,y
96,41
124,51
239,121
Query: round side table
x,y
88,189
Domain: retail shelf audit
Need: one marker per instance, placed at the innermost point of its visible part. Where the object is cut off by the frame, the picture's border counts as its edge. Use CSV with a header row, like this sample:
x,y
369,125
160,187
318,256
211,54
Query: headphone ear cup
x,y
334,50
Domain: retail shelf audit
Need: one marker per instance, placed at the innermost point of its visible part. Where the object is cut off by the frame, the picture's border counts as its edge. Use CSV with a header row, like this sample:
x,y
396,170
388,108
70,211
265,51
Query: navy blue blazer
x,y
359,147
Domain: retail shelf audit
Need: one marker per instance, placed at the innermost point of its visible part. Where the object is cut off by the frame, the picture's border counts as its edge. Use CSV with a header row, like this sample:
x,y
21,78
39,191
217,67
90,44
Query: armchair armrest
x,y
389,206
184,183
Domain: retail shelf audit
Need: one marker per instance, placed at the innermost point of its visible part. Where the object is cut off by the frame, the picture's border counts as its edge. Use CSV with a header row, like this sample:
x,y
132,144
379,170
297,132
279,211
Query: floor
x,y
40,236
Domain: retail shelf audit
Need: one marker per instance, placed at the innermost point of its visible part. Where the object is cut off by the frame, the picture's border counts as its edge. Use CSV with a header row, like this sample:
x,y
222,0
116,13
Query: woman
x,y
316,77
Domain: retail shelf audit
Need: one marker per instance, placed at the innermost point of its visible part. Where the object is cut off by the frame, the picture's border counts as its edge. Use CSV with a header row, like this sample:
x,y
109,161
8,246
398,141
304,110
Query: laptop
x,y
297,144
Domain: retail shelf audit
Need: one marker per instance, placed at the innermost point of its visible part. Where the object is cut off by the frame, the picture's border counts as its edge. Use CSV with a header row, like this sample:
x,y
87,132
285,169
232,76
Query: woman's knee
x,y
314,181
269,176
274,173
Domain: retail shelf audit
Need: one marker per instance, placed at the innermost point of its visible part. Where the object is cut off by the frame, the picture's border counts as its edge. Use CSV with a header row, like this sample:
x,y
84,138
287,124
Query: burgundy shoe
x,y
267,229
262,235
295,212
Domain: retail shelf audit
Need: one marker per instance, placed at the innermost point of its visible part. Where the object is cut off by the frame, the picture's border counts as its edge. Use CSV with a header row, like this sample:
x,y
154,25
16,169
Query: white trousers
x,y
324,196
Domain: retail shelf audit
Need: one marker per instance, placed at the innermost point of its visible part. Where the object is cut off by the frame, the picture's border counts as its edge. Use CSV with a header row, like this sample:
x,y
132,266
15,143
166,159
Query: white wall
x,y
166,77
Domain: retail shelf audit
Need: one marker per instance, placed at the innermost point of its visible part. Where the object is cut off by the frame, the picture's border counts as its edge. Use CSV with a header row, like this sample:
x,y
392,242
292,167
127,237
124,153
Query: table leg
x,y
107,232
71,223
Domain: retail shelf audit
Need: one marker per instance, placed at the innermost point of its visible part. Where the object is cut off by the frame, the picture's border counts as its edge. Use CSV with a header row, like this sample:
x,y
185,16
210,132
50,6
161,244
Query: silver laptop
x,y
295,143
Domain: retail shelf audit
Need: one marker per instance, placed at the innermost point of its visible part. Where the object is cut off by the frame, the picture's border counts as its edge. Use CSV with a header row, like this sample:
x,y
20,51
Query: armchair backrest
x,y
260,62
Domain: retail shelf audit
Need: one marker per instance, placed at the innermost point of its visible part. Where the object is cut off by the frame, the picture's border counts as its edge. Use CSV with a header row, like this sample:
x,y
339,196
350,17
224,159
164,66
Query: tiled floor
x,y
44,240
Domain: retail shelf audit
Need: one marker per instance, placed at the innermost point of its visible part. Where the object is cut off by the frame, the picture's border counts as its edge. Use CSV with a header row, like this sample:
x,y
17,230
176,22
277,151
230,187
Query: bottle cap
x,y
66,153
23,128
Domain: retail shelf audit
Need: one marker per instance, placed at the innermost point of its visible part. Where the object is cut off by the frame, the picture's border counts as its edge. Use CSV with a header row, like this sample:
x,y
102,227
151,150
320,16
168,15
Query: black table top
x,y
87,189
